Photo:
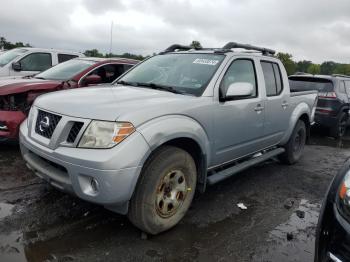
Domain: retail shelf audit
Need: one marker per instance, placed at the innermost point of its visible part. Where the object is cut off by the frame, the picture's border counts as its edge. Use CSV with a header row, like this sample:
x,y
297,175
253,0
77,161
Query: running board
x,y
231,171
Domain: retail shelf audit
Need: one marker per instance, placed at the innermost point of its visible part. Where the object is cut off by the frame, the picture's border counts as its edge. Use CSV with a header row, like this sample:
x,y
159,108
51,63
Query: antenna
x,y
111,42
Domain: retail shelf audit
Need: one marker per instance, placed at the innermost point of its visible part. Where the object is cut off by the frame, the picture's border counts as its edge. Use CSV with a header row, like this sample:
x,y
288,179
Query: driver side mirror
x,y
93,80
17,66
239,90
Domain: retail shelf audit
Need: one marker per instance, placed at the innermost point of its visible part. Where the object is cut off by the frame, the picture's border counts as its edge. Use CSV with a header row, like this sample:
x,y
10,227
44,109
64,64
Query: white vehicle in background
x,y
29,61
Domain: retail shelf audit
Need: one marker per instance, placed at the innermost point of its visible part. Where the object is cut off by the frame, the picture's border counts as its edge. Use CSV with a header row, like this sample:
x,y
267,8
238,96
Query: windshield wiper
x,y
125,83
39,77
161,87
152,86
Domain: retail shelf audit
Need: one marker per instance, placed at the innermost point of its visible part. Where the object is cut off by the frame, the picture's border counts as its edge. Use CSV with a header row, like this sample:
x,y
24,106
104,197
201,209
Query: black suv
x,y
333,99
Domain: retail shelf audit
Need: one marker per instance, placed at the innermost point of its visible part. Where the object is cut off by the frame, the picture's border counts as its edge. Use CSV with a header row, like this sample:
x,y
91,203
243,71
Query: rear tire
x,y
165,190
295,145
340,128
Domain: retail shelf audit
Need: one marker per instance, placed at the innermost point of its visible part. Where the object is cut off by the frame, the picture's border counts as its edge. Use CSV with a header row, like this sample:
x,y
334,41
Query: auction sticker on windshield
x,y
205,61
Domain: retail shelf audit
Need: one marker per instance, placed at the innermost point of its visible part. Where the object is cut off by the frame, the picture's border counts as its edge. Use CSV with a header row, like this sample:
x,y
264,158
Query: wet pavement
x,y
39,223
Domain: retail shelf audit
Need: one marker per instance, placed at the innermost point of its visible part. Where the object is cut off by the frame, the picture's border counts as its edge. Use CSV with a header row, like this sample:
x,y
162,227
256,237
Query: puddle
x,y
5,210
321,137
294,240
11,247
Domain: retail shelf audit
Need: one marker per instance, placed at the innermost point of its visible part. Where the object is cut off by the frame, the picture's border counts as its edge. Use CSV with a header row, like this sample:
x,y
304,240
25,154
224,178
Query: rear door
x,y
239,123
277,103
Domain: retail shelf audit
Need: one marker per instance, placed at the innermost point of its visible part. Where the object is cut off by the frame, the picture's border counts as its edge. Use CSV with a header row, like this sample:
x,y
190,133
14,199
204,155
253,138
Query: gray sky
x,y
316,30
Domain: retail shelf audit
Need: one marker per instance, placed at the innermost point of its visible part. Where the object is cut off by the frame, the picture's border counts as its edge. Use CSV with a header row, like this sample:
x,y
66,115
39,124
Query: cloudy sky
x,y
316,30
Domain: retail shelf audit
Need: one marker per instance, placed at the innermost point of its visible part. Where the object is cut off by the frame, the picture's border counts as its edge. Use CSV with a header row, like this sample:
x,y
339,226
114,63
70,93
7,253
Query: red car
x,y
17,95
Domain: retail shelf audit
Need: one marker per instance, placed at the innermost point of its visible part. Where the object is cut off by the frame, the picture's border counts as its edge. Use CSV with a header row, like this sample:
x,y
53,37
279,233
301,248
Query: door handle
x,y
284,104
259,108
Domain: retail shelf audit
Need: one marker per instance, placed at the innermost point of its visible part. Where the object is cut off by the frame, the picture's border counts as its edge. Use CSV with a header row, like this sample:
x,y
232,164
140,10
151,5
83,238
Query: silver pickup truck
x,y
175,123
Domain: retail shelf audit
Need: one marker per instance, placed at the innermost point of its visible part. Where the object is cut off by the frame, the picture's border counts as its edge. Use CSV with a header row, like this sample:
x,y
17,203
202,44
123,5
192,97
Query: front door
x,y
239,123
33,64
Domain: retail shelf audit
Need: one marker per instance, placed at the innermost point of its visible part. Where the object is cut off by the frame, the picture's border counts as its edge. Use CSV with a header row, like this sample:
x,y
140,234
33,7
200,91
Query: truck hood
x,y
21,85
122,103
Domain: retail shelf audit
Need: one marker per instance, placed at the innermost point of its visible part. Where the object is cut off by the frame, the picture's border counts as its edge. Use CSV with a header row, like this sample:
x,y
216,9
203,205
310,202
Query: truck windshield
x,y
8,56
181,72
310,83
66,70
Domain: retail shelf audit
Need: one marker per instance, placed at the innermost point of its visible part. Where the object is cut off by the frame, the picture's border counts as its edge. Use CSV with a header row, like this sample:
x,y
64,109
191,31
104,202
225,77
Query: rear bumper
x,y
72,170
326,120
10,122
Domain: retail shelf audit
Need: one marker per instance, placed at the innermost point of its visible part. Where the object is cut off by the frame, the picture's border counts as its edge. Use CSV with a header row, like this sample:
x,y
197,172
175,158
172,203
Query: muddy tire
x,y
340,128
164,191
295,146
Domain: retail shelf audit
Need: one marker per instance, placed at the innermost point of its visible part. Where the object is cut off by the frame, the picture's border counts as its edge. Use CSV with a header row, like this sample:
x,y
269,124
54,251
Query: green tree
x,y
314,69
288,62
328,67
342,69
196,44
302,66
93,53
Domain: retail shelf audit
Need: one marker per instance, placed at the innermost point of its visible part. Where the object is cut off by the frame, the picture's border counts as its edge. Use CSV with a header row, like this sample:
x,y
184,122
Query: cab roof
x,y
109,59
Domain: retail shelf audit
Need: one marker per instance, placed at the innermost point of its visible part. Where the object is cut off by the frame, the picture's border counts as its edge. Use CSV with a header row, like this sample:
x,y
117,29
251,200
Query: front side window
x,y
66,70
9,56
182,72
240,71
272,77
109,73
36,62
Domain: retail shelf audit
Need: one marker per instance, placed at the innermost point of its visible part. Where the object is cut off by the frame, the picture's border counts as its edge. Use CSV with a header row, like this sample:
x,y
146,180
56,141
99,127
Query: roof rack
x,y
175,47
263,50
339,75
227,48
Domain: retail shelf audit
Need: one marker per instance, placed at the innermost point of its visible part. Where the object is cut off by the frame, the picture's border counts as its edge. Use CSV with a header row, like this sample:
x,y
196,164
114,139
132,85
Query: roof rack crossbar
x,y
263,50
175,47
340,75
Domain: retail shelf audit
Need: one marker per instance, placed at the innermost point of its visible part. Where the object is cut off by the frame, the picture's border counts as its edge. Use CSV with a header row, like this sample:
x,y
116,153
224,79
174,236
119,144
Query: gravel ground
x,y
39,223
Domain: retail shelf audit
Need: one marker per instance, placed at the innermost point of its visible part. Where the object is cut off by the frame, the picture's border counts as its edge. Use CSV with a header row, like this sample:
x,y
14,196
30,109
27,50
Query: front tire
x,y
295,145
165,190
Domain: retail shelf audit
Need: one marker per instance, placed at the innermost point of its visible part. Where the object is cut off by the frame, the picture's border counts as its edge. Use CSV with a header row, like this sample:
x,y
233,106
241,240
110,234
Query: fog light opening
x,y
94,185
3,126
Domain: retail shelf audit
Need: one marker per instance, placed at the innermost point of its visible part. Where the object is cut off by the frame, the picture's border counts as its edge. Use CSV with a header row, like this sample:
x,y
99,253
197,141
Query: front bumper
x,y
333,231
10,122
72,169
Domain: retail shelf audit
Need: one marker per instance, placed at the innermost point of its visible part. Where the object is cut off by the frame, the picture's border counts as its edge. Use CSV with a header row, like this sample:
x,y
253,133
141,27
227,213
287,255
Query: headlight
x,y
30,116
103,134
344,196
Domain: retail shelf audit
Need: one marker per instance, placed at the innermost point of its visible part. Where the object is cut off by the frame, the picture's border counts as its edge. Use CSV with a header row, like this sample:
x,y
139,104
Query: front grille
x,y
46,123
74,131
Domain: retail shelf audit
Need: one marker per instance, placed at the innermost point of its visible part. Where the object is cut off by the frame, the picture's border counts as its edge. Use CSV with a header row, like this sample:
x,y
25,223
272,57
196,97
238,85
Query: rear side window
x,y
347,87
36,62
342,87
273,78
298,83
241,70
65,57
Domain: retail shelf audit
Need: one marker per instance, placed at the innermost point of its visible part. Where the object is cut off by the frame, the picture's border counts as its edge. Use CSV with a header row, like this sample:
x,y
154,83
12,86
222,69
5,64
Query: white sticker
x,y
205,61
